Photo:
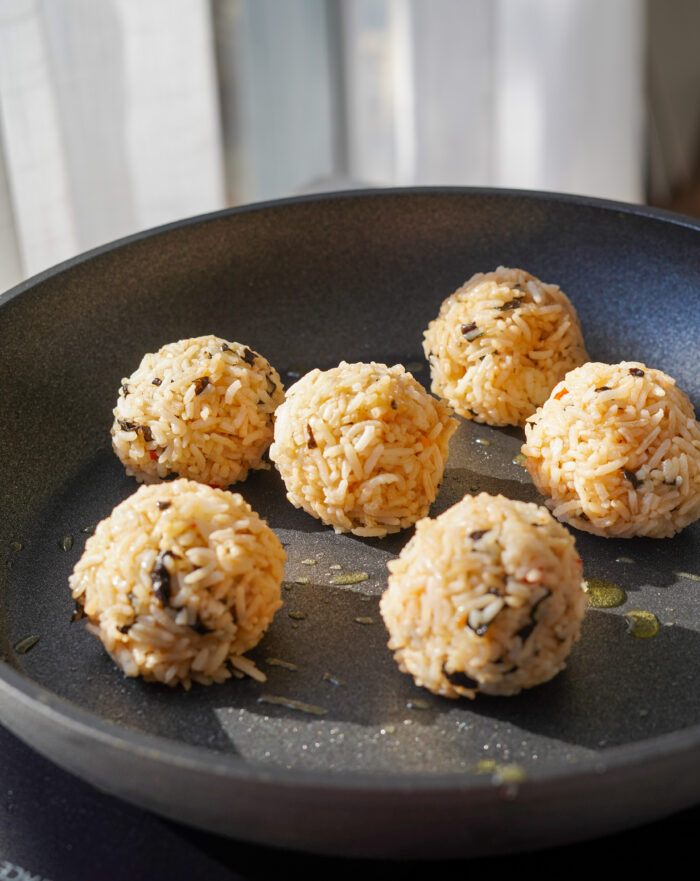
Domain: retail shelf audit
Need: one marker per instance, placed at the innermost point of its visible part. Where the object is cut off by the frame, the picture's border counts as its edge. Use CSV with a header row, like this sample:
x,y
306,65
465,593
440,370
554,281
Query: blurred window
x,y
120,115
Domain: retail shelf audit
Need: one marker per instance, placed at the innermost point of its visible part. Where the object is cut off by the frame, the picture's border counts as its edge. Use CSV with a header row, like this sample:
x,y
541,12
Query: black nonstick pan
x,y
338,752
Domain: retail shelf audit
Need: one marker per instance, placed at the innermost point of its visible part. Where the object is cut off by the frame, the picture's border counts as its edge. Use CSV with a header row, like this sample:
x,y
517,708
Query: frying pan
x,y
365,763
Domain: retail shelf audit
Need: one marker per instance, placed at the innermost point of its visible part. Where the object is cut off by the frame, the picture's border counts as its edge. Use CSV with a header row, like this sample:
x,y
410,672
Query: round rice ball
x,y
200,408
616,451
500,344
362,447
488,597
179,581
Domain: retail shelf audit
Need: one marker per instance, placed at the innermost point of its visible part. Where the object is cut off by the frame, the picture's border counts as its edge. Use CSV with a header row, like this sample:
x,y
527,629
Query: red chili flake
x,y
153,455
561,393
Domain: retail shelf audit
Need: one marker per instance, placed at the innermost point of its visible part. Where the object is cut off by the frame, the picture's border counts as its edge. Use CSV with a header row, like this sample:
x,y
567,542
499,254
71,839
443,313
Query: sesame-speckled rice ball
x,y
362,447
499,345
179,581
200,408
487,597
615,450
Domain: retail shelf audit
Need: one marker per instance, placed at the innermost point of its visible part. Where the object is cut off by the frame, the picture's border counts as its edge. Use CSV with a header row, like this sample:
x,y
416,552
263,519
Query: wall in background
x,y
673,95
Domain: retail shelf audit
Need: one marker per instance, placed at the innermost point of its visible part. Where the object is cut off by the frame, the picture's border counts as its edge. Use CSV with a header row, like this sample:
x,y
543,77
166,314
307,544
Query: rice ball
x,y
499,345
362,447
488,597
201,408
179,581
615,450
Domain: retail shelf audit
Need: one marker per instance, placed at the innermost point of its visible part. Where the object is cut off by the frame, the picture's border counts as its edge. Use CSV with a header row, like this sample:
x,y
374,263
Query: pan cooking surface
x,y
308,283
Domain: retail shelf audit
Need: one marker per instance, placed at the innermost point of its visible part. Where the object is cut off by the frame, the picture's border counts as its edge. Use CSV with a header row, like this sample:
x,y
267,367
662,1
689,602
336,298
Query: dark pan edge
x,y
494,192
383,816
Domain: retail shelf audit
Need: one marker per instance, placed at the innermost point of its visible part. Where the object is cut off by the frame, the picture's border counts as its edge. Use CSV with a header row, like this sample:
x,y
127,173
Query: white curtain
x,y
119,115
538,94
110,124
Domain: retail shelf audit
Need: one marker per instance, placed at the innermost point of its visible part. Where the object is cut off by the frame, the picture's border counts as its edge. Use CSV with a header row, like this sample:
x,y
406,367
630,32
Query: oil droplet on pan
x,y
350,578
24,645
292,704
641,623
691,575
603,594
501,773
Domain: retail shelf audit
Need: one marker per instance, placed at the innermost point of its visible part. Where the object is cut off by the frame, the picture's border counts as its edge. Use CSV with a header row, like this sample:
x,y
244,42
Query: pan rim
x,y
634,209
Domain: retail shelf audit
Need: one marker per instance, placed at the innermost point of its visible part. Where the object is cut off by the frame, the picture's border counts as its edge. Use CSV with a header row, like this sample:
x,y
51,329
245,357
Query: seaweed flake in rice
x,y
362,447
499,345
488,597
615,450
200,408
179,581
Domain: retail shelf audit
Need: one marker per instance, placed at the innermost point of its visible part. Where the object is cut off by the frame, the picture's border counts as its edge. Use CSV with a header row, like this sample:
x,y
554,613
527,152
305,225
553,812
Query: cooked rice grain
x,y
180,580
200,408
362,447
486,598
500,344
615,450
